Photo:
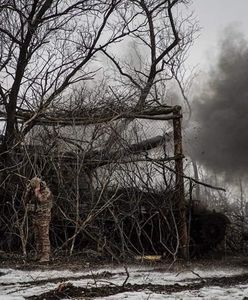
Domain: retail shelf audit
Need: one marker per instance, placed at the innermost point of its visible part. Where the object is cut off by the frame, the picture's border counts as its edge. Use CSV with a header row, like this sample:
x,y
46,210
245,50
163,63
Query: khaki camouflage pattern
x,y
39,209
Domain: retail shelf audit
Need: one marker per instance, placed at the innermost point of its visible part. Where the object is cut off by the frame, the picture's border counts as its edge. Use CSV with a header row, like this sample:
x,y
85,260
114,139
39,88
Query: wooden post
x,y
180,211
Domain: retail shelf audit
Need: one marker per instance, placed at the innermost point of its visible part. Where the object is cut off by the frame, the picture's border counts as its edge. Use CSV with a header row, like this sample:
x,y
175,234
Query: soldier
x,y
38,199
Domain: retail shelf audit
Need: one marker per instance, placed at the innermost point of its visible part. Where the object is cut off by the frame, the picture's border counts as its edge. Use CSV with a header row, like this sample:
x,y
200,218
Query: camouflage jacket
x,y
40,204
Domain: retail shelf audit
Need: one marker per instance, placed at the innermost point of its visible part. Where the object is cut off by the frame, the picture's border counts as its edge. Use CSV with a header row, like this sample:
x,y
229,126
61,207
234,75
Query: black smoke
x,y
221,111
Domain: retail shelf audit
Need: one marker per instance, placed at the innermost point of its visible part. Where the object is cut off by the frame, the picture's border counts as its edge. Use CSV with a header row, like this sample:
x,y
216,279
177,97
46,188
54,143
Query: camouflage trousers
x,y
41,224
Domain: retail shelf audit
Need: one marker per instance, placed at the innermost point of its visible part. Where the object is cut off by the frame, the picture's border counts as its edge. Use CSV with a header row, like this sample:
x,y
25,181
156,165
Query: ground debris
x,y
69,290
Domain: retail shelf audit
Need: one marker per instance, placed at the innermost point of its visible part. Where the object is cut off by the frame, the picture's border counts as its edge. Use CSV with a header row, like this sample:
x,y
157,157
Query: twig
x,y
125,281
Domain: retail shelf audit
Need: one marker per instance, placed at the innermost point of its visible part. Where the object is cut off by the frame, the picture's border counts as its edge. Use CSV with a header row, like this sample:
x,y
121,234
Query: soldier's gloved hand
x,y
38,193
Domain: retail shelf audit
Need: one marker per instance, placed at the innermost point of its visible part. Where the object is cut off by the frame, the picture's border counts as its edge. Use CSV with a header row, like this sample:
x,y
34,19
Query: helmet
x,y
35,181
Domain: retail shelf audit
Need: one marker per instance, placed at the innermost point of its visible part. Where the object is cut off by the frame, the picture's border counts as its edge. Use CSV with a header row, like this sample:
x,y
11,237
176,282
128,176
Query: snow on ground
x,y
210,293
17,284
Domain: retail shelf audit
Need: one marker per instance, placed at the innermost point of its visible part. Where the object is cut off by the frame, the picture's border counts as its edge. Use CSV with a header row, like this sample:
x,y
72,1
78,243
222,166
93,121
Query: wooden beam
x,y
179,185
156,113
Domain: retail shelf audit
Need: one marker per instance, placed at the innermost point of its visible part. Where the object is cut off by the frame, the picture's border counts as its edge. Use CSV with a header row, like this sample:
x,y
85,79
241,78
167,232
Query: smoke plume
x,y
221,112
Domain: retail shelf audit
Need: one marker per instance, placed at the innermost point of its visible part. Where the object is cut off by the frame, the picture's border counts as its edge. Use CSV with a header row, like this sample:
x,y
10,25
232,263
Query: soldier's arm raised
x,y
44,195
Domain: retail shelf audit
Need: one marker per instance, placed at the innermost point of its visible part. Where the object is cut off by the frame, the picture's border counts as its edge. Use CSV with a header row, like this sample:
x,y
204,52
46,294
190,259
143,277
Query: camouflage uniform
x,y
39,200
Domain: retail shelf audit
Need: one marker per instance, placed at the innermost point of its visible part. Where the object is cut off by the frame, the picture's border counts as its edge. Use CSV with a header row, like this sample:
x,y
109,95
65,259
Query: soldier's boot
x,y
45,255
45,244
44,258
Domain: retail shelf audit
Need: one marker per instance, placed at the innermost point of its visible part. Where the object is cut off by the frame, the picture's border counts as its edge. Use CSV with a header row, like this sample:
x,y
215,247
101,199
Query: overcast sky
x,y
219,139
214,16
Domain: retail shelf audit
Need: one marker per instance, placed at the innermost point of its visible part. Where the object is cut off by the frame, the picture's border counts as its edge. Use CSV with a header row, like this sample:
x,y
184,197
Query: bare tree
x,y
159,40
48,46
49,49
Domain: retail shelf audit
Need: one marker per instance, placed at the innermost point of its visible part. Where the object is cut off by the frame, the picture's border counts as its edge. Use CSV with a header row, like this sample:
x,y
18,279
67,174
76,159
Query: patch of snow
x,y
209,293
163,277
16,284
212,293
14,276
6,297
144,295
